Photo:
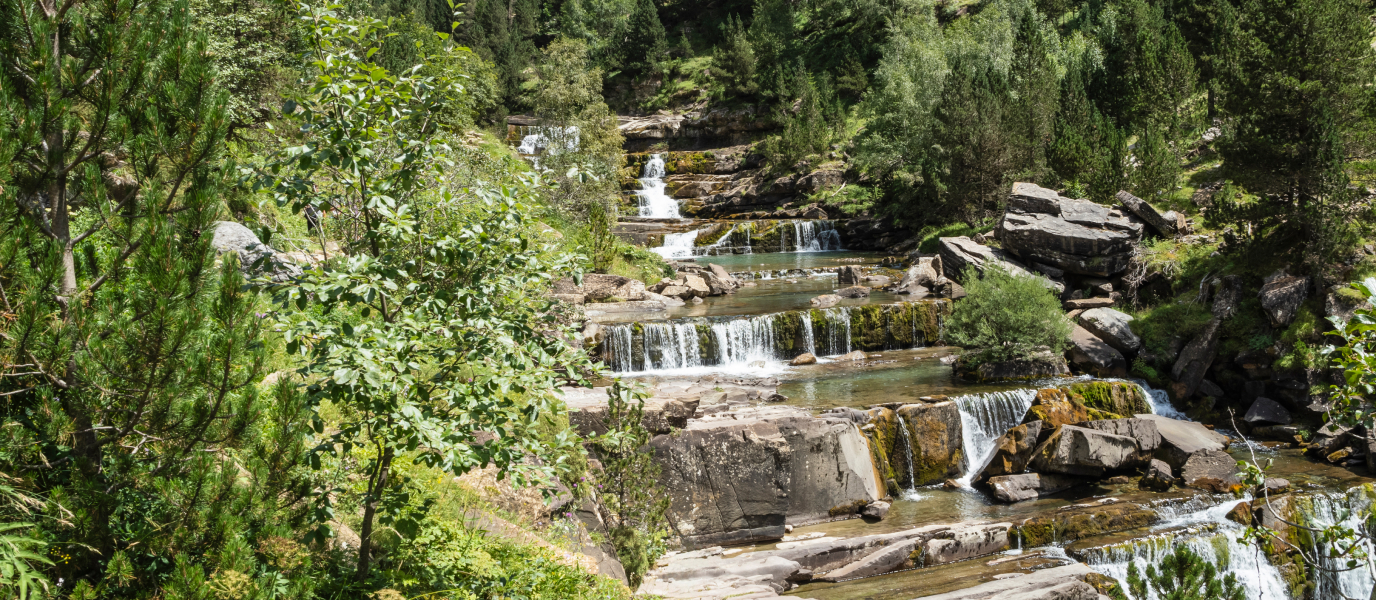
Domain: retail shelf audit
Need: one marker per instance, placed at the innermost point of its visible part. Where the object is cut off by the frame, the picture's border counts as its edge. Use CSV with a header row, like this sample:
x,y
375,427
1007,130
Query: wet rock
x,y
1158,476
1057,583
876,510
1242,513
856,355
891,558
1013,452
1274,485
1030,486
1166,227
1080,521
806,358
1075,450
825,301
957,253
1112,327
858,291
965,543
1092,355
1266,410
1212,470
1142,431
256,259
1329,439
1086,303
849,274
1109,399
935,431
926,274
1281,295
1054,408
1182,439
1039,366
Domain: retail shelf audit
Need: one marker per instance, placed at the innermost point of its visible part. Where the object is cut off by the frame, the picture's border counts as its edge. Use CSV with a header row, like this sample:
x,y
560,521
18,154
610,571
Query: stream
x,y
757,330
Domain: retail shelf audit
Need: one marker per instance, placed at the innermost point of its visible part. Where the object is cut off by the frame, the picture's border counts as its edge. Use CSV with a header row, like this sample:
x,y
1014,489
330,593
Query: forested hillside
x,y
368,300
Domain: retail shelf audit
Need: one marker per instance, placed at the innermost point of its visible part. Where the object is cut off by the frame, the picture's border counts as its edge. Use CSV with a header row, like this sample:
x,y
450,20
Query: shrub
x,y
930,236
1009,316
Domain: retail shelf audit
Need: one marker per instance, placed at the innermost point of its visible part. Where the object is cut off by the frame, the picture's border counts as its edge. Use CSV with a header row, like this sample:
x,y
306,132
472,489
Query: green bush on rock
x,y
1008,317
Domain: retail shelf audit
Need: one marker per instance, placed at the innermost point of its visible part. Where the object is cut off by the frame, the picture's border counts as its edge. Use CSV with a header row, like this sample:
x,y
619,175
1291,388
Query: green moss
x,y
882,439
867,327
788,332
1112,397
1158,326
1081,523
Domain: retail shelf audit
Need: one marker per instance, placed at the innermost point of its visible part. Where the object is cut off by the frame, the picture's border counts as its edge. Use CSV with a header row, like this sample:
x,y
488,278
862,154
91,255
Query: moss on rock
x,y
1115,397
1083,522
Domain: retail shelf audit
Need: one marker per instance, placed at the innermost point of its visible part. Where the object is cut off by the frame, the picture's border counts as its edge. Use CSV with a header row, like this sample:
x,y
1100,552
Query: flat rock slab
x,y
1181,439
1113,327
1080,521
1058,583
1030,486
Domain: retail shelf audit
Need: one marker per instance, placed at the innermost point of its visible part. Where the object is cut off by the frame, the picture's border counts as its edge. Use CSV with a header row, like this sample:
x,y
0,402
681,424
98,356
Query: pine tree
x,y
645,43
1036,92
733,62
1183,575
772,34
975,139
1111,171
1158,167
1074,151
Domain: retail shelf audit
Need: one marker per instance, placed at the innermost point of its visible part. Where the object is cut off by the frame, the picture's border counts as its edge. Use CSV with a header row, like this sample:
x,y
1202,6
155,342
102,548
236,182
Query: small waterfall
x,y
653,201
1333,580
908,455
838,331
1160,402
549,140
1260,579
814,236
984,418
678,245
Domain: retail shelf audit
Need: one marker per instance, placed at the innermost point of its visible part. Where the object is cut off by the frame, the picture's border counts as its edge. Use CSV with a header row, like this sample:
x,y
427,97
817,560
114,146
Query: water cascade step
x,y
984,418
738,342
1334,579
748,237
653,201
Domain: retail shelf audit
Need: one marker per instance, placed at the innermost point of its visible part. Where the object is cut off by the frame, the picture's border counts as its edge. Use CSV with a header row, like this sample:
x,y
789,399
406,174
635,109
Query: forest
x,y
557,299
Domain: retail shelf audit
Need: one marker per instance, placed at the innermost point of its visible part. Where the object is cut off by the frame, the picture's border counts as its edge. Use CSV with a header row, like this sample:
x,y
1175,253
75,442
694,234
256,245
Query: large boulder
x,y
1281,295
1030,486
1076,236
924,275
1182,439
1143,431
849,274
1014,451
1054,408
1158,476
1082,451
1112,327
723,275
256,259
855,291
957,253
1165,224
1211,470
1267,411
742,479
1195,359
1091,354
936,435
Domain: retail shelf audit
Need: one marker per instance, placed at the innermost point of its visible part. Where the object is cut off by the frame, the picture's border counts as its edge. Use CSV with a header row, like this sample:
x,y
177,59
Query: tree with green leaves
x,y
774,39
733,61
976,139
131,360
1158,168
644,44
1035,86
1183,575
630,495
432,335
1007,316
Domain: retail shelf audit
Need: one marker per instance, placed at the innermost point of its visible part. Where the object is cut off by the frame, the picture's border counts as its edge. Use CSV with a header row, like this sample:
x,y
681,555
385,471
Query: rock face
x,y
1030,486
1167,225
1158,476
1194,360
741,476
1093,355
1112,327
1212,470
1281,296
256,259
926,274
936,434
1075,450
1182,439
957,253
1076,236
1014,451
1142,431
1057,583
1054,408
1267,411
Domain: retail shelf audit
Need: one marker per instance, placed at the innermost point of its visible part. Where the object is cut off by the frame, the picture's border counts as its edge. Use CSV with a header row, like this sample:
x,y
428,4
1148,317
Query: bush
x,y
1008,316
930,236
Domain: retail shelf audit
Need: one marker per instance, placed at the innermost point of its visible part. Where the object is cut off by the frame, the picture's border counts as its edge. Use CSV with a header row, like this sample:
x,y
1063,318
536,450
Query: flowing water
x,y
548,140
1335,578
984,418
677,245
1222,546
654,202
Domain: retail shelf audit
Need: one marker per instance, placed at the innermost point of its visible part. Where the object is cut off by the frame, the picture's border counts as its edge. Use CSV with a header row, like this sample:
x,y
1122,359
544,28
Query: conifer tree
x,y
1036,92
772,34
1074,152
733,62
1184,575
645,43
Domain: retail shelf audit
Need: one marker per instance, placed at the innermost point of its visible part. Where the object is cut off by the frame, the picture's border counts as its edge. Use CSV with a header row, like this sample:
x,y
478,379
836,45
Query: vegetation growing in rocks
x,y
1008,317
1183,575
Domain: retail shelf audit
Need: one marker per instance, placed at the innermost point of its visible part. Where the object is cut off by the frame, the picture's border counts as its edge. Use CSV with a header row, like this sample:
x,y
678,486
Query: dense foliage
x,y
1008,316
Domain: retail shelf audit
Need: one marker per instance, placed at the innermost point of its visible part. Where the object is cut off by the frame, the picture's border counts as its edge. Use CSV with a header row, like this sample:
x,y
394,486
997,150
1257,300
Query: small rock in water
x,y
697,300
776,397
1119,479
947,360
857,355
876,510
788,529
806,358
857,291
952,484
749,284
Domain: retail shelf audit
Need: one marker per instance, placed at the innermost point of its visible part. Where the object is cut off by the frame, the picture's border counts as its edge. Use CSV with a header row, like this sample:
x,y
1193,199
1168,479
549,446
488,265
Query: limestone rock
x,y
876,510
885,560
935,430
1081,451
1112,327
849,274
1076,236
855,355
966,542
1282,295
1167,224
1182,439
924,275
1014,451
960,252
1030,486
722,274
856,291
806,358
1086,303
696,284
825,301
1143,431
1029,198
1267,411
256,259
1094,356
1054,408
1057,583
1085,520
1158,476
1212,470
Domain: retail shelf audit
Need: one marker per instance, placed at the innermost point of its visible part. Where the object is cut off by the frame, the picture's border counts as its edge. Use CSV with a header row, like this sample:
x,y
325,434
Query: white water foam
x,y
1259,578
549,140
984,418
1334,579
677,245
653,201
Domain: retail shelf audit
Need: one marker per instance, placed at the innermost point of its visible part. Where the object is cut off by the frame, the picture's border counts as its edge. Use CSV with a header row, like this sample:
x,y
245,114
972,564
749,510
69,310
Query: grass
x,y
930,236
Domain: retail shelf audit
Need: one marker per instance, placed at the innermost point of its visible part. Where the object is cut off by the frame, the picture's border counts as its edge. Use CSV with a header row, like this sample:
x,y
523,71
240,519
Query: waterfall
x,y
678,245
653,201
908,456
1260,579
551,140
815,236
984,418
1333,580
1160,402
838,331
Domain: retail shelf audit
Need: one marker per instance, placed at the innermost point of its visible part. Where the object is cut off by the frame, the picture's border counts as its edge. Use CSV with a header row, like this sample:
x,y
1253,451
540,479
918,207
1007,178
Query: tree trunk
x,y
370,512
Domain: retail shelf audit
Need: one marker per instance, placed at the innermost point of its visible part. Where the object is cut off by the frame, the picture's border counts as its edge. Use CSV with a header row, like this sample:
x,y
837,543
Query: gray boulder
x,y
1056,583
876,510
855,291
1029,198
1182,439
849,274
806,358
723,275
957,253
936,433
1092,355
1268,411
1081,451
256,259
1112,327
1014,451
1158,476
1076,236
883,561
1281,295
924,275
1212,470
1195,359
1030,486
1143,431
825,301
1165,224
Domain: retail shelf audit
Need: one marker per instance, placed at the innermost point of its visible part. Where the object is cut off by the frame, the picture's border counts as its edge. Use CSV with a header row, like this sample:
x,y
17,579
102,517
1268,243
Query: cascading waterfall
x,y
550,140
838,330
908,456
1334,580
653,201
678,245
984,418
814,236
1260,579
1161,402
